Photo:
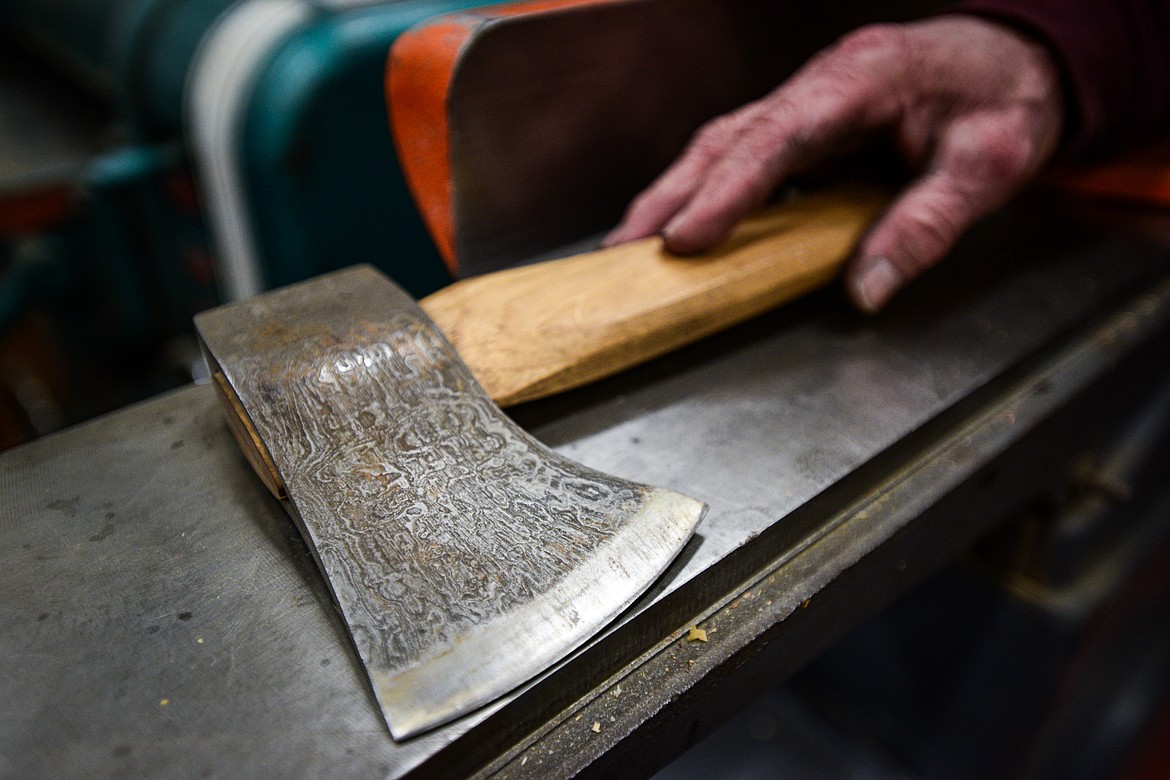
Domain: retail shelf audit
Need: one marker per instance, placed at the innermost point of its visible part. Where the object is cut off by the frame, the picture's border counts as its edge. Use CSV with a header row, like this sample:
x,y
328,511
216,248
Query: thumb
x,y
913,235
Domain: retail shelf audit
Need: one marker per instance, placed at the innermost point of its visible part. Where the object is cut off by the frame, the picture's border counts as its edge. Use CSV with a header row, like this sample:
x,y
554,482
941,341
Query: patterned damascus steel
x,y
465,556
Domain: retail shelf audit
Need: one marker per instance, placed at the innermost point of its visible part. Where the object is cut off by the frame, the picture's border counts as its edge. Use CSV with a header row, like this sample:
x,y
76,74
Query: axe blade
x,y
465,557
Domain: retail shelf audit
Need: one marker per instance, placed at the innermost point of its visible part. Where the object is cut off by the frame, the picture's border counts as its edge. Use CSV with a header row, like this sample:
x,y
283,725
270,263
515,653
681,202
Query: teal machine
x,y
232,146
287,123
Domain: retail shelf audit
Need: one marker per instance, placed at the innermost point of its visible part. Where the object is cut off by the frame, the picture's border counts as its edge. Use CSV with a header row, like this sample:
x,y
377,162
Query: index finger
x,y
845,92
649,212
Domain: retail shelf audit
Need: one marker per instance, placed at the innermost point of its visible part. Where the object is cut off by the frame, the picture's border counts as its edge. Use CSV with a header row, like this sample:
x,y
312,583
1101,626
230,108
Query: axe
x,y
464,556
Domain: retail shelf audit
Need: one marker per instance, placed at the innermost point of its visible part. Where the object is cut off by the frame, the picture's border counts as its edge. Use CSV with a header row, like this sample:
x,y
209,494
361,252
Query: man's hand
x,y
974,106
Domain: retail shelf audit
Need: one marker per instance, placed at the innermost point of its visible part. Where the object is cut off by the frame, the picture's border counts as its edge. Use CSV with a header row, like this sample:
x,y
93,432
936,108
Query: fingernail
x,y
878,283
672,227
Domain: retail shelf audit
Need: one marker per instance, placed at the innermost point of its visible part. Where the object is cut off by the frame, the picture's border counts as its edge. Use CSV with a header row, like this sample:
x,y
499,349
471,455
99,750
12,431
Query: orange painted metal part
x,y
422,65
1141,177
419,73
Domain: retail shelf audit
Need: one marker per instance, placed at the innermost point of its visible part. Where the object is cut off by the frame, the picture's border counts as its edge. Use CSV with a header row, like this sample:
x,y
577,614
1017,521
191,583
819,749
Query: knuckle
x,y
791,129
1001,152
758,157
862,75
928,230
875,40
751,159
716,133
1007,158
643,202
767,131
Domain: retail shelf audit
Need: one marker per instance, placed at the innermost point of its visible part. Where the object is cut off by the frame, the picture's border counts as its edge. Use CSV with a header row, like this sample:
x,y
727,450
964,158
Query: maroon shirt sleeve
x,y
1115,57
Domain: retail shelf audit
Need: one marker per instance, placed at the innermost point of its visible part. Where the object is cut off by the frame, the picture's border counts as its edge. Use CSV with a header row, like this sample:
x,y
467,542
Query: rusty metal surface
x,y
465,556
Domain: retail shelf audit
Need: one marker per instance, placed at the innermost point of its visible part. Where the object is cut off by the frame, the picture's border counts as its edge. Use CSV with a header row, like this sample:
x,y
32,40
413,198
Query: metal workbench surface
x,y
159,615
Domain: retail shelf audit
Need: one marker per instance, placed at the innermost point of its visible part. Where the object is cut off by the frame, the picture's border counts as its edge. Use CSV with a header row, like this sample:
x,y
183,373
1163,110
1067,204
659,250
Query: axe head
x,y
465,557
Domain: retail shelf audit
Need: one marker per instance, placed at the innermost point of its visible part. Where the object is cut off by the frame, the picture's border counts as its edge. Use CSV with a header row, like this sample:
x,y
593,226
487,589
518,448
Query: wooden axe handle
x,y
537,330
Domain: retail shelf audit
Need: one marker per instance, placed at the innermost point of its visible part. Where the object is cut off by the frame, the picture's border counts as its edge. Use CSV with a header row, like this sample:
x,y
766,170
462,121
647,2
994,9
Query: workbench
x,y
160,616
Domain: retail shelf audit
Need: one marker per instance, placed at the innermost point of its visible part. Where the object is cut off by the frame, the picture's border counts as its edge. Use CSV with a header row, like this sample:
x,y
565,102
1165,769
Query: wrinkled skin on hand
x,y
975,107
